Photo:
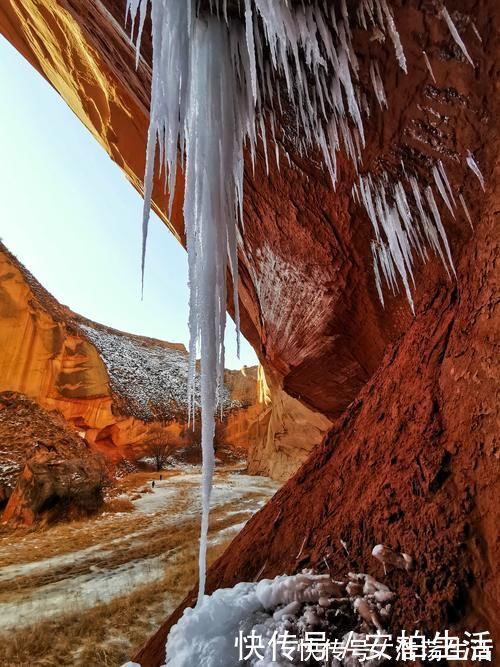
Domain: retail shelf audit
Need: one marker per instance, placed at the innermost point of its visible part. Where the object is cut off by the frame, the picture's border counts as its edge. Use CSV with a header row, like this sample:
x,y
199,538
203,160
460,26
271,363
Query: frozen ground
x,y
117,553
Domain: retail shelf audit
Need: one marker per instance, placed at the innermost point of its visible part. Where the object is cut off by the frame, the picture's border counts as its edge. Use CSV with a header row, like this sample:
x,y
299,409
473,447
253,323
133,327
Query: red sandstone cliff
x,y
121,391
412,459
414,463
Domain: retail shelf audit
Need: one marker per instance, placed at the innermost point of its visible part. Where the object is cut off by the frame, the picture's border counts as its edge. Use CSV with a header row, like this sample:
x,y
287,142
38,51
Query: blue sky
x,y
71,217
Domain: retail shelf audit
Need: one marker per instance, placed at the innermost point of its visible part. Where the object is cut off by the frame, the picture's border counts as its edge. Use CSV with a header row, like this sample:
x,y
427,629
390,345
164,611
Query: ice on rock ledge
x,y
206,635
213,634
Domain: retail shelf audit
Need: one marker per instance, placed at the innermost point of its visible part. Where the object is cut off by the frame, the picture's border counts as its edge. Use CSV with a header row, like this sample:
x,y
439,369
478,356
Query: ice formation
x,y
429,66
222,81
399,231
466,210
472,164
213,90
388,556
298,604
455,34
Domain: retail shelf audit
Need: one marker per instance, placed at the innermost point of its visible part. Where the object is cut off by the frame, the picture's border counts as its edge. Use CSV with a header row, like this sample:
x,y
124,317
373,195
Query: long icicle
x,y
210,81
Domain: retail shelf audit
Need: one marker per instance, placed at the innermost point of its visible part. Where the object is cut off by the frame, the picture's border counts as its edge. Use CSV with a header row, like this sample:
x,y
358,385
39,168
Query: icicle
x,y
476,31
455,34
378,282
210,210
398,231
472,164
446,181
199,107
393,32
466,210
429,66
377,84
251,46
216,83
439,225
441,188
131,10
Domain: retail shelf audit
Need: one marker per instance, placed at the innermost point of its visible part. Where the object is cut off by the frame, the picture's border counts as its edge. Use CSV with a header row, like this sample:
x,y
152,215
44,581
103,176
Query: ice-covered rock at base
x,y
206,635
211,634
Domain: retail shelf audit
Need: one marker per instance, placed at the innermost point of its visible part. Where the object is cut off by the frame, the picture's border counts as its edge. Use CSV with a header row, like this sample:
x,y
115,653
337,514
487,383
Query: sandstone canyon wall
x,y
276,430
412,459
120,391
50,354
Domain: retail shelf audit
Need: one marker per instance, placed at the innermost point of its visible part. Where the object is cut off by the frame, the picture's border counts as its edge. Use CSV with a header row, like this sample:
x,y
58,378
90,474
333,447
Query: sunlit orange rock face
x,y
123,392
275,430
46,354
412,459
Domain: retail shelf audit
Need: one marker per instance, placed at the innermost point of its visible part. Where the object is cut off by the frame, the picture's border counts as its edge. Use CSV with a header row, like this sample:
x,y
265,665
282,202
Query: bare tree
x,y
160,450
159,453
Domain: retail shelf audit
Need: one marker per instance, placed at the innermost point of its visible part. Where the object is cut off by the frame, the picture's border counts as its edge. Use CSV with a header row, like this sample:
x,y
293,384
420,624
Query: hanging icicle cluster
x,y
222,82
398,232
215,87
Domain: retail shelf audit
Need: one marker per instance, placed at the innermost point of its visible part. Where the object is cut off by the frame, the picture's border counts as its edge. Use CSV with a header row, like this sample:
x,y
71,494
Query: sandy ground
x,y
74,567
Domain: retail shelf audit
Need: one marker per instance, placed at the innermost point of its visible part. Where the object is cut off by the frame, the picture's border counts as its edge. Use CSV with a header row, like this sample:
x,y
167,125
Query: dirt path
x,y
74,568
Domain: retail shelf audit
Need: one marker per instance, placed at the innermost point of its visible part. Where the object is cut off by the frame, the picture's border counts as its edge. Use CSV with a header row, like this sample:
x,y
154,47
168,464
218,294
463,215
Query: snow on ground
x,y
226,488
9,469
80,578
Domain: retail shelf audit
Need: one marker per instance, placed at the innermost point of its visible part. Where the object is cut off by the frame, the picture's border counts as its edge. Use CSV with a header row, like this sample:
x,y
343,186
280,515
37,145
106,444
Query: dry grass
x,y
54,539
118,505
108,633
172,540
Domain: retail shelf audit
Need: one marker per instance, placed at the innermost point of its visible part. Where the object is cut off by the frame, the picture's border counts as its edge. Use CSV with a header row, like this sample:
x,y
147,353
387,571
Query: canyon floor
x,y
88,592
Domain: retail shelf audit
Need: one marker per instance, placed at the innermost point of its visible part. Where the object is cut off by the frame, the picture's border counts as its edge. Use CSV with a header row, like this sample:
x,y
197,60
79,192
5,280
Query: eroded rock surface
x,y
412,460
61,476
124,392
